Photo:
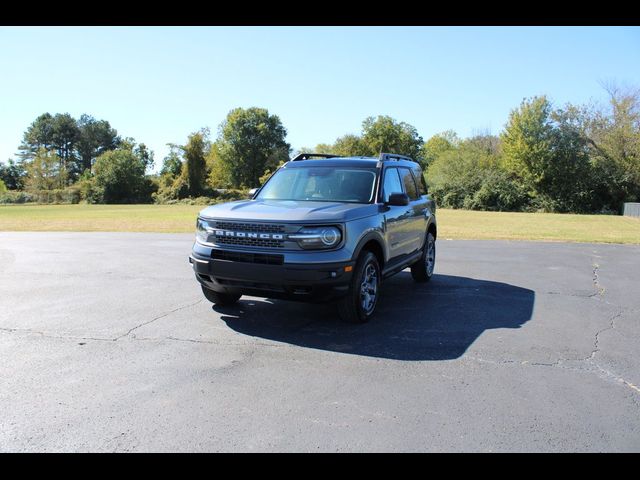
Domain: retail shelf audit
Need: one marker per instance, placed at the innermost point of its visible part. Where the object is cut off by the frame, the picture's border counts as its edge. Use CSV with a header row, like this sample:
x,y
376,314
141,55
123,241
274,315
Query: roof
x,y
360,162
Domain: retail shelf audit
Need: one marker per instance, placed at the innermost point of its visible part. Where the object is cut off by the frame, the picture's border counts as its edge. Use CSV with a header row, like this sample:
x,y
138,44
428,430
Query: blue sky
x,y
158,84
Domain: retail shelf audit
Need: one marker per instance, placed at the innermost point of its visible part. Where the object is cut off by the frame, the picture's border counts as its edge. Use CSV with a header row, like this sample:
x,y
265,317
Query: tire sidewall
x,y
419,270
367,259
424,254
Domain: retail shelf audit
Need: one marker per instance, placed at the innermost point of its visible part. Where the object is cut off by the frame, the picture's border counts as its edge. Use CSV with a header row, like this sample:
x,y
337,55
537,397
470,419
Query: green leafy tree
x,y
3,187
65,136
437,145
38,135
486,142
571,181
95,138
57,132
140,150
613,136
77,143
219,171
472,178
46,171
172,163
120,178
145,154
528,141
250,142
86,186
385,134
350,145
194,168
13,174
379,134
319,148
543,149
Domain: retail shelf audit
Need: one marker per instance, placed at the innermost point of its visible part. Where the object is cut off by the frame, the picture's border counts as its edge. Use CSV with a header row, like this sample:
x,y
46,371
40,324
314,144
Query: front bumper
x,y
311,282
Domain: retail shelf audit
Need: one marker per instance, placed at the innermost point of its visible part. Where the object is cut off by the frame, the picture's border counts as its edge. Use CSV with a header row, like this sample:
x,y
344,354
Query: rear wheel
x,y
422,270
361,300
221,299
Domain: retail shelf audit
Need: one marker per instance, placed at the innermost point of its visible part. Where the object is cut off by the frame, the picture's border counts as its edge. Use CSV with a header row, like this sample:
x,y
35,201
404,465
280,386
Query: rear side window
x,y
391,183
409,184
422,185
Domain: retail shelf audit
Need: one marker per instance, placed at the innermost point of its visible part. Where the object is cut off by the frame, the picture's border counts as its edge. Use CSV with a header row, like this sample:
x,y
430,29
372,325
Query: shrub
x,y
15,196
215,196
498,192
119,178
473,178
59,195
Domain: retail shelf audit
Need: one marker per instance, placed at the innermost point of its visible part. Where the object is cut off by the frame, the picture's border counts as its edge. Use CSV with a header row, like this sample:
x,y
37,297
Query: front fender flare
x,y
375,235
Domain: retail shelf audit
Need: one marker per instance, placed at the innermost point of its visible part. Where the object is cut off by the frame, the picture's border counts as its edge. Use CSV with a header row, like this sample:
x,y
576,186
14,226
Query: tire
x,y
359,305
221,299
422,270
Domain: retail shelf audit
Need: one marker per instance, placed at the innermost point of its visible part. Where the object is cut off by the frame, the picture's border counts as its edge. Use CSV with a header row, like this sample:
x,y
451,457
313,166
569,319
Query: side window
x,y
391,183
419,177
409,183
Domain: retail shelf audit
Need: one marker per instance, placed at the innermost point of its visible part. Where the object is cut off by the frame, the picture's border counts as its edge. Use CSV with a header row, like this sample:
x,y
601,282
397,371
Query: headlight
x,y
203,230
317,237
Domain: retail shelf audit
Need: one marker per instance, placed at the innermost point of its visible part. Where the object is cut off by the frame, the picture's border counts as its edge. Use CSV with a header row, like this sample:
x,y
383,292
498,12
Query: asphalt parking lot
x,y
107,344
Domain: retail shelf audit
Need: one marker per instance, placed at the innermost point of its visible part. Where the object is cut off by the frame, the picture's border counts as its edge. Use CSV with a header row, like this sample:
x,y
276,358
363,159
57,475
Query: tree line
x,y
573,158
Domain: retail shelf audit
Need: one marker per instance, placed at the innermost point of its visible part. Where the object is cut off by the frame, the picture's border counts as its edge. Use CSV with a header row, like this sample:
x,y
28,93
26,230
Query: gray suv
x,y
321,228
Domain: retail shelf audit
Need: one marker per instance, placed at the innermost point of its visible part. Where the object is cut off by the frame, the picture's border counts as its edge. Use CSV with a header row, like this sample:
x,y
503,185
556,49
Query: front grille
x,y
249,228
261,258
250,242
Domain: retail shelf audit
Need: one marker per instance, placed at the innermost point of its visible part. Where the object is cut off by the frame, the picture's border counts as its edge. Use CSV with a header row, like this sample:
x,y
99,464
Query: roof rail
x,y
384,157
307,156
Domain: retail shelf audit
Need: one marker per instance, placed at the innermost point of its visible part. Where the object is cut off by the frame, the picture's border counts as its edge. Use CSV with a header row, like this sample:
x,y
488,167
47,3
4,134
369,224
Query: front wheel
x,y
360,302
221,299
422,270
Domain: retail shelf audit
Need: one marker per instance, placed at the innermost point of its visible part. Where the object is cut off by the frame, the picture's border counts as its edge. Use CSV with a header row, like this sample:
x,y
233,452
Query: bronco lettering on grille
x,y
265,236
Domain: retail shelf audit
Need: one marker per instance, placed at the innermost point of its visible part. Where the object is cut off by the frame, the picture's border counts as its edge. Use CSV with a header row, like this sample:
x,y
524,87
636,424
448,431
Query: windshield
x,y
321,184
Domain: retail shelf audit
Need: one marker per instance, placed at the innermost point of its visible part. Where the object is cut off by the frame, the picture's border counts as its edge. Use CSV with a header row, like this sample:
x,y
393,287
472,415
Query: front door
x,y
397,218
416,225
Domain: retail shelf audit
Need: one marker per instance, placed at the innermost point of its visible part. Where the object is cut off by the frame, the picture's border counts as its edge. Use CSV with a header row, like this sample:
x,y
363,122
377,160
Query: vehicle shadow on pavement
x,y
434,321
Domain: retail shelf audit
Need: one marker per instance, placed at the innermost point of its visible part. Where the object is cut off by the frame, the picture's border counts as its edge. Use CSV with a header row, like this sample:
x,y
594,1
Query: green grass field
x,y
454,224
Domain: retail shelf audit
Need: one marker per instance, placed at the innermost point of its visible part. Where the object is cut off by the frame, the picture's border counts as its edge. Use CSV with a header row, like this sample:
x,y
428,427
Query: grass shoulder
x,y
454,224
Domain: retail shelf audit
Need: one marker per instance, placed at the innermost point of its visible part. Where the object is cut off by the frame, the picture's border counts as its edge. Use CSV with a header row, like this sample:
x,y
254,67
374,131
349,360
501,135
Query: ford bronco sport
x,y
321,228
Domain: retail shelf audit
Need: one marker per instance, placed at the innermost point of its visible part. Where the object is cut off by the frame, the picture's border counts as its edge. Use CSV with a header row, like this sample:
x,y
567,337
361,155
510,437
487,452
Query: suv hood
x,y
289,211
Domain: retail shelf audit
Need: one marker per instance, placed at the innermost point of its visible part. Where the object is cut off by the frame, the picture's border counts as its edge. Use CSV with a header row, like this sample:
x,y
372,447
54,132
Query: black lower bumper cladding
x,y
266,275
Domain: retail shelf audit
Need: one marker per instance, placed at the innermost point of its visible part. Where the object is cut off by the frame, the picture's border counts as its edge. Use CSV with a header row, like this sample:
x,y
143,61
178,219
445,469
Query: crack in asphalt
x,y
166,314
563,363
595,279
99,339
612,325
48,335
599,289
578,295
224,343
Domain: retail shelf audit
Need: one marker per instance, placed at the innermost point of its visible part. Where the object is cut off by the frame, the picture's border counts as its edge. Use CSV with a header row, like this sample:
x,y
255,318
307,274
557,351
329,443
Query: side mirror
x,y
398,199
252,192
